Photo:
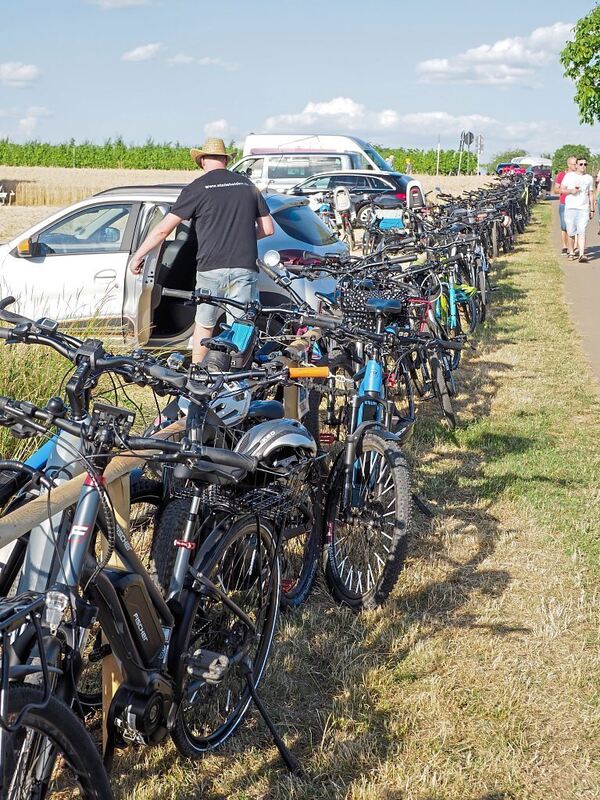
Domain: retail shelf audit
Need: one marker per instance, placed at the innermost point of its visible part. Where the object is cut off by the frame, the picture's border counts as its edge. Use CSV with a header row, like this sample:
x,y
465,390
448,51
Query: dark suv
x,y
364,185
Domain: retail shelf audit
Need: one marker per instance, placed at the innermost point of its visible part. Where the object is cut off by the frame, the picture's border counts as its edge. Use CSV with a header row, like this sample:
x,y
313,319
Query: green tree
x,y
504,158
559,159
581,60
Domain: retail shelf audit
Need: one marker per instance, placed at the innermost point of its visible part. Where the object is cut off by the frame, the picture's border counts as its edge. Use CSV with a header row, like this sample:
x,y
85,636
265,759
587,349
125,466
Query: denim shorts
x,y
561,216
236,283
577,220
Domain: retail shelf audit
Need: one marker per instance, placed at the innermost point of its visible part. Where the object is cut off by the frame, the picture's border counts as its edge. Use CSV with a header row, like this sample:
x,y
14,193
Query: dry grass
x,y
15,219
479,680
53,186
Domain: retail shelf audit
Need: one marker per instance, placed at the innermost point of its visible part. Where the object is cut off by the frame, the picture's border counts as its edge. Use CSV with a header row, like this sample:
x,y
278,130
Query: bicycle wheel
x,y
243,563
51,754
366,542
441,391
334,408
302,537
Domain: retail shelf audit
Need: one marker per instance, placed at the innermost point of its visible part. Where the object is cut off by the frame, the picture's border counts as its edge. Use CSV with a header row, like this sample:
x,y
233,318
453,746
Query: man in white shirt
x,y
578,188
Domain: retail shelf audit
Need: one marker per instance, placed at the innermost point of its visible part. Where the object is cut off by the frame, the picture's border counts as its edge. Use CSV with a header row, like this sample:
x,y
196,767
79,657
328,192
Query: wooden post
x,y
111,674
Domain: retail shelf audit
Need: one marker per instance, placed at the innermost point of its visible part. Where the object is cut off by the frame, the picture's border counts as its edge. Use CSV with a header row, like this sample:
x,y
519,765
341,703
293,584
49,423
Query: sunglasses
x,y
582,163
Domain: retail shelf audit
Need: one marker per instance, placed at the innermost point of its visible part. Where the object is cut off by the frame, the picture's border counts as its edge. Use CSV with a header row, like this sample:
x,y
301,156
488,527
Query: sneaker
x,y
572,257
583,259
564,251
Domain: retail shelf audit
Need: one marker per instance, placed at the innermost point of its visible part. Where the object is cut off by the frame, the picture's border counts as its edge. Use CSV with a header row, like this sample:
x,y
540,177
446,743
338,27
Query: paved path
x,y
582,290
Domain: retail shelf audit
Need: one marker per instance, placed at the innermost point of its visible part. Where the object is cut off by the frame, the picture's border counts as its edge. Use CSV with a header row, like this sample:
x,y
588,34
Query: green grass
x,y
539,447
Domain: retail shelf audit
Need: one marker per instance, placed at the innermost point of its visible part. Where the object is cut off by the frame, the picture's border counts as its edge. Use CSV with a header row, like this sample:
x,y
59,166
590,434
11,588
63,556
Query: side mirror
x,y
27,248
110,235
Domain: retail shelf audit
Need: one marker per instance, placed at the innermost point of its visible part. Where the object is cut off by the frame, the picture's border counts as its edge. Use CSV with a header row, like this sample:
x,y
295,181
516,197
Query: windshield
x,y
379,160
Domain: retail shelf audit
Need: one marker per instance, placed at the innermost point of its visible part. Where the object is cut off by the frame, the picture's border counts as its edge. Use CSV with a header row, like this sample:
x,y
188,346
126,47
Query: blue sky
x,y
394,72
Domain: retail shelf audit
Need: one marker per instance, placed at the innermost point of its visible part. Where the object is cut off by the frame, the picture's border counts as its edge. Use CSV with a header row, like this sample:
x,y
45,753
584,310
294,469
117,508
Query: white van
x,y
279,161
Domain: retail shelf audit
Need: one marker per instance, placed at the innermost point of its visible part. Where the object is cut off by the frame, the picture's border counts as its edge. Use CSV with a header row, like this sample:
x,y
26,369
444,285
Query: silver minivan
x,y
279,171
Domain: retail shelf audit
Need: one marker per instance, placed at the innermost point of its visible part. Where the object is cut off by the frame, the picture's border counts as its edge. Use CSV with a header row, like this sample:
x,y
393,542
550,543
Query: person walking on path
x,y
571,167
578,187
229,215
598,197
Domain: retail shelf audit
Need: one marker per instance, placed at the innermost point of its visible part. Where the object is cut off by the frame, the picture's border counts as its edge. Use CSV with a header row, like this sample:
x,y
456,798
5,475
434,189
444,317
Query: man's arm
x,y
154,238
264,227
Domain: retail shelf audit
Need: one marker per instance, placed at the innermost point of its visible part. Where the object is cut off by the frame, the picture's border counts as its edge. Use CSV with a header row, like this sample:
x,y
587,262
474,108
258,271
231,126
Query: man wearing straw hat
x,y
229,214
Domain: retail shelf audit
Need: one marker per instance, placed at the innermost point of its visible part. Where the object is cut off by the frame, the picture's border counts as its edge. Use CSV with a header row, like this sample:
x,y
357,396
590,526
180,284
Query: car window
x,y
377,183
252,167
341,180
315,183
303,224
96,229
299,167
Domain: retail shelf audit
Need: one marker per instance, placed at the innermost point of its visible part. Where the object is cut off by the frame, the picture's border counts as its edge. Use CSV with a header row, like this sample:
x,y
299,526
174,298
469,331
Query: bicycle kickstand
x,y
291,763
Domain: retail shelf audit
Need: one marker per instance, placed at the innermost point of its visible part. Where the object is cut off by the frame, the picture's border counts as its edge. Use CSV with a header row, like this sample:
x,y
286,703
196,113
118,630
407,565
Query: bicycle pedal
x,y
207,665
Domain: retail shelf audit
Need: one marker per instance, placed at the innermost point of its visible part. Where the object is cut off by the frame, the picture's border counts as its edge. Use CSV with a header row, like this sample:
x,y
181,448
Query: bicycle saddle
x,y
224,342
330,298
388,307
266,409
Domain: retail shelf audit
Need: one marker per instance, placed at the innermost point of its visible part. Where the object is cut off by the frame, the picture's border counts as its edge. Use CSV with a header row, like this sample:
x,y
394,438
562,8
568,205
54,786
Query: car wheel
x,y
363,215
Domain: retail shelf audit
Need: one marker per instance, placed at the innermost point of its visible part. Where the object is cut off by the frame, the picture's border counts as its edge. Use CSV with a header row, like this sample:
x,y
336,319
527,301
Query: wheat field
x,y
53,186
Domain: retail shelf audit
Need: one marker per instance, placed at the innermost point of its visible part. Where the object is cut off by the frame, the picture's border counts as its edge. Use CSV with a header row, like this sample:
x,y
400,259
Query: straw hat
x,y
211,147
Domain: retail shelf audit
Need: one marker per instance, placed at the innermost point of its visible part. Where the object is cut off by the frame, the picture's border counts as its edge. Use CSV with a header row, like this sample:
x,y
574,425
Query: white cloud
x,y
415,128
118,3
26,119
506,62
181,58
144,52
17,74
203,61
218,127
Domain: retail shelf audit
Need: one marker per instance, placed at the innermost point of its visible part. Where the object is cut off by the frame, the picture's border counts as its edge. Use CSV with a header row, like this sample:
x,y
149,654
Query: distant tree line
x,y
116,154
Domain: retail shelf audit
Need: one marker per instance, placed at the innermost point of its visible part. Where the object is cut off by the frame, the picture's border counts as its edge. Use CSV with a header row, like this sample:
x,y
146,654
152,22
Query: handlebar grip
x,y
179,293
309,372
447,345
10,316
407,259
4,333
229,458
322,321
175,379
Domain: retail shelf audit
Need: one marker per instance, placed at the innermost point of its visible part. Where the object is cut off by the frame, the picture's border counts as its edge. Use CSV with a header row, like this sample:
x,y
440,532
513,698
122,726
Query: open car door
x,y
142,293
150,318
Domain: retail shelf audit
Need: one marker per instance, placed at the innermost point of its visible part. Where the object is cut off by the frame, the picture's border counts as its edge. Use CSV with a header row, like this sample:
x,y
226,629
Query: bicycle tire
x,y
213,562
56,725
341,537
302,534
440,389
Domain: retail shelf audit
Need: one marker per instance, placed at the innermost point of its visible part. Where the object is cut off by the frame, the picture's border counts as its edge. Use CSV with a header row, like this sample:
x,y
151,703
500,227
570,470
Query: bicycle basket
x,y
353,302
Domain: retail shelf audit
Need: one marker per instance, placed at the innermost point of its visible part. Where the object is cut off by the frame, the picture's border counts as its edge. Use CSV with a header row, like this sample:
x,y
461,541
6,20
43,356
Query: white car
x,y
73,265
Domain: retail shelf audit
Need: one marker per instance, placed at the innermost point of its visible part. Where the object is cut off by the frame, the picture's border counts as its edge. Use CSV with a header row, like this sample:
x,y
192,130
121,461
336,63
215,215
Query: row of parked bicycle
x,y
383,214
167,555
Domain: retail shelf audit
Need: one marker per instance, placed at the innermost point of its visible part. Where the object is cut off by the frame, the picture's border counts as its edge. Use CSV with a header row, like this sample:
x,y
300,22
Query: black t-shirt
x,y
223,206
